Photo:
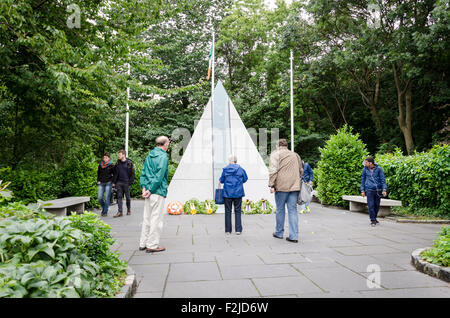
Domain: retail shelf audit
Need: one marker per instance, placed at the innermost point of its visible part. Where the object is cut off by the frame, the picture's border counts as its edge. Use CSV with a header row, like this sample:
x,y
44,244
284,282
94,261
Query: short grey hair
x,y
232,159
161,140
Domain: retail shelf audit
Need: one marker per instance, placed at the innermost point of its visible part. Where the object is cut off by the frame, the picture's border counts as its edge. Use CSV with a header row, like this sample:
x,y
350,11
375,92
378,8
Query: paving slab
x,y
211,289
188,272
331,259
285,285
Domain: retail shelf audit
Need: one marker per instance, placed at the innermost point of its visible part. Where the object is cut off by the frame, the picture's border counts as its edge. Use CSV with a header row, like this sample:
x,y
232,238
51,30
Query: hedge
x,y
421,181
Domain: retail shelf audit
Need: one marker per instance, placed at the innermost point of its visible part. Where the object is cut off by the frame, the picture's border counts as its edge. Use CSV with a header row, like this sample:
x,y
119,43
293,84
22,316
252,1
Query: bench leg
x,y
384,211
58,212
356,207
79,208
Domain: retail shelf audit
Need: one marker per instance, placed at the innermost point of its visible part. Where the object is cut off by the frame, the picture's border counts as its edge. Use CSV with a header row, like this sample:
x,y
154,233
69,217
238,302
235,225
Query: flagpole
x,y
292,102
212,110
127,116
212,68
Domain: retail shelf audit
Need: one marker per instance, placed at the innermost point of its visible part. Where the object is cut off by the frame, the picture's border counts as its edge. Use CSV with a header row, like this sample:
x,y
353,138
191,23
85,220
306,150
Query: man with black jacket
x,y
123,179
105,175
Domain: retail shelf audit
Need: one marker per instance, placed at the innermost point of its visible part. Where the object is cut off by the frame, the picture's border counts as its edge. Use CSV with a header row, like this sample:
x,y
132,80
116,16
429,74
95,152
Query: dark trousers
x,y
123,188
237,202
373,203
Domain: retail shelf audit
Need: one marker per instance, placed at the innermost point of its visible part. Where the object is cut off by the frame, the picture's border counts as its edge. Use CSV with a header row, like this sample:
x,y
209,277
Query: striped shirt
x,y
285,170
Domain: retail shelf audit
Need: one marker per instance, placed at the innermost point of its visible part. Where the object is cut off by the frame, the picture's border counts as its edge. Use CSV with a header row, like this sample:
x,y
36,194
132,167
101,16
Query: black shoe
x,y
276,236
373,223
289,240
142,248
376,221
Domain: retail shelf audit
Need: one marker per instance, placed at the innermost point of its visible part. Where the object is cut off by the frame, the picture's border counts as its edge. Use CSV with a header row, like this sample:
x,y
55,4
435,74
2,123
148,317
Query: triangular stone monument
x,y
219,133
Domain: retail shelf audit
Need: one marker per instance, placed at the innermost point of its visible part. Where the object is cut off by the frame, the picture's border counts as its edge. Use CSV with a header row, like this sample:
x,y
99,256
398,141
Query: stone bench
x,y
359,204
63,206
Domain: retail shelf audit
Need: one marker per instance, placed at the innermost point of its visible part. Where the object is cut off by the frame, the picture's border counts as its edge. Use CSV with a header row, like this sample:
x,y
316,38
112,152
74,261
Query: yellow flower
x,y
193,211
209,211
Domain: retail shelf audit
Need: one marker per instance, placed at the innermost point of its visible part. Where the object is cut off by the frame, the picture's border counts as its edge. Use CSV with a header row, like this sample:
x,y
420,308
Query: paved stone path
x,y
335,255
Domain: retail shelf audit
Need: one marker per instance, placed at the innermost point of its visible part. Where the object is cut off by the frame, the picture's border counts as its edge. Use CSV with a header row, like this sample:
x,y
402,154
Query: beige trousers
x,y
152,223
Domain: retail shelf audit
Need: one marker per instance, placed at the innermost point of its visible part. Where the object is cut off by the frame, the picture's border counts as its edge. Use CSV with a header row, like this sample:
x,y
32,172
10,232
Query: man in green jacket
x,y
154,181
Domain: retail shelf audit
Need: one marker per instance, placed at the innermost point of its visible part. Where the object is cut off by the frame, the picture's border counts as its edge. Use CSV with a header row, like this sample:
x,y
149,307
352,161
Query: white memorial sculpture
x,y
219,133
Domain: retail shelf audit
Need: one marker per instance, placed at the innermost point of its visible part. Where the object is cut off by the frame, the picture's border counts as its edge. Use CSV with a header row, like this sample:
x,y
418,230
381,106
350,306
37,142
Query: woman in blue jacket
x,y
373,185
233,179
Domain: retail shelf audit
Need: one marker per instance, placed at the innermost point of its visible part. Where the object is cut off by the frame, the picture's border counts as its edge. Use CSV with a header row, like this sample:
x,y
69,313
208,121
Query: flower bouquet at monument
x,y
263,207
248,207
194,206
210,207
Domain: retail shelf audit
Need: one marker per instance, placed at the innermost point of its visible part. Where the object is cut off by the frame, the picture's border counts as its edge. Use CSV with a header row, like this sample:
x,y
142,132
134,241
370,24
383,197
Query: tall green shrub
x,y
32,185
79,174
339,169
421,181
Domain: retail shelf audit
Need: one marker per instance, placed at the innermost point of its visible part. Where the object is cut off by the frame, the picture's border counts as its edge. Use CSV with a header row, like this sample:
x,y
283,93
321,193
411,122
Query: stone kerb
x,y
437,271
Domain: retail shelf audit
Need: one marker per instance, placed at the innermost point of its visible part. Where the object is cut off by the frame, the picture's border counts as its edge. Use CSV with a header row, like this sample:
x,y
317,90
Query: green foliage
x,y
421,181
5,194
439,254
54,257
31,185
97,247
80,175
338,172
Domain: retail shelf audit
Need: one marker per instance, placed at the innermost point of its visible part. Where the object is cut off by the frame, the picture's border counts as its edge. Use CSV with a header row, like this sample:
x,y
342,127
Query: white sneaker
x,y
238,233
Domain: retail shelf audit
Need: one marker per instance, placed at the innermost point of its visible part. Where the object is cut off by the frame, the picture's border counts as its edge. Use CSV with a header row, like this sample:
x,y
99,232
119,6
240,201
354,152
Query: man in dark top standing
x,y
123,179
105,174
373,185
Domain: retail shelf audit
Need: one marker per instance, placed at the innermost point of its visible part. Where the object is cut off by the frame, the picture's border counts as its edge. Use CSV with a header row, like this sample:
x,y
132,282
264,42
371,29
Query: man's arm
x,y
245,176
383,181
363,183
98,174
273,168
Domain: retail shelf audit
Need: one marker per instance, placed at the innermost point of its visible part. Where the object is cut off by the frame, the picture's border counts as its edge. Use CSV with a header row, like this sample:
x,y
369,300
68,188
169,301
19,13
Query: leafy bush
x,y
5,194
54,257
421,181
439,254
97,248
77,177
338,172
31,185
79,173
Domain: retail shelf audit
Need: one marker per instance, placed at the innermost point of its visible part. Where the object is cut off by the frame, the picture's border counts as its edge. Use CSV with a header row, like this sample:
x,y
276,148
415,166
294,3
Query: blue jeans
x,y
289,199
104,188
237,214
373,203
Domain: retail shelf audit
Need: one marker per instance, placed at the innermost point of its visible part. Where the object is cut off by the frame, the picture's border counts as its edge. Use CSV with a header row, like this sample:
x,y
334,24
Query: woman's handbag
x,y
218,198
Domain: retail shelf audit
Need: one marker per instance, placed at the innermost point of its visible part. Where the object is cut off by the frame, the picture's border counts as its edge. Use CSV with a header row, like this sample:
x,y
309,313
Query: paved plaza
x,y
337,251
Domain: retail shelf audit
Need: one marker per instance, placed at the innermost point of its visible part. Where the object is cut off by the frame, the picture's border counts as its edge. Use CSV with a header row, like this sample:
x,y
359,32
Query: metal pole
x,y
292,102
212,110
212,68
127,115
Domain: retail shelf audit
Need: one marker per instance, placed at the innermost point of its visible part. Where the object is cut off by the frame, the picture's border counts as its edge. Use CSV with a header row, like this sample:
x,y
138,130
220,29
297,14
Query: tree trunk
x,y
404,112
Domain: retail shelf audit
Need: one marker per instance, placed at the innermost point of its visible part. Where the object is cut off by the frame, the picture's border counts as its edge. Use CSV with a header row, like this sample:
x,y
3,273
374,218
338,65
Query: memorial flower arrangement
x,y
194,206
259,207
263,207
248,207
